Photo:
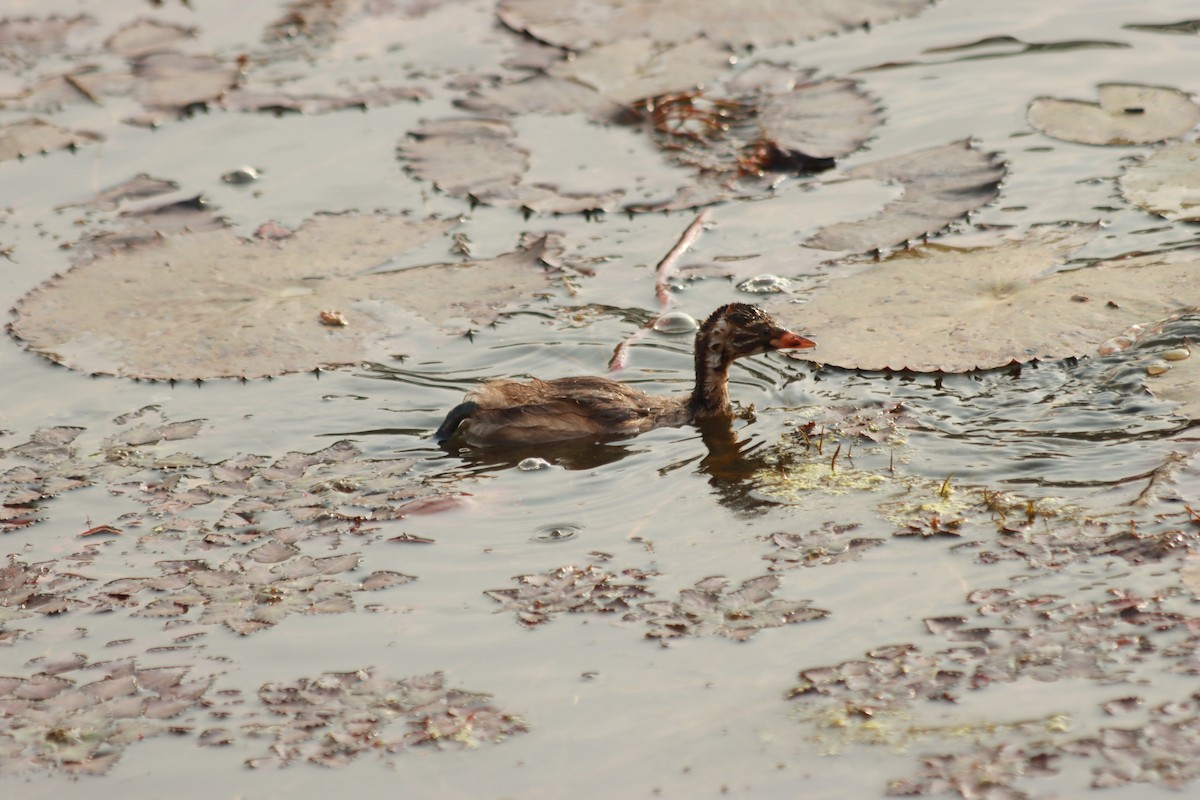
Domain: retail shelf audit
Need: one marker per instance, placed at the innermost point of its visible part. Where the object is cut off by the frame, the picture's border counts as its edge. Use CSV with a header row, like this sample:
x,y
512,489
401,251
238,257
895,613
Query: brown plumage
x,y
508,412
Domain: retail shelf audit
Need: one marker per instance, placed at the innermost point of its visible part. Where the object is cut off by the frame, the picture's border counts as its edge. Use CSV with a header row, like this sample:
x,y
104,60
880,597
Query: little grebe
x,y
508,412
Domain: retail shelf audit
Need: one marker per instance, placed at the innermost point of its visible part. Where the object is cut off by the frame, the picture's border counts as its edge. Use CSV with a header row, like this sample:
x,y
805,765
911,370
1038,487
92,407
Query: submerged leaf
x,y
581,24
1125,114
211,305
32,136
940,307
1167,183
941,184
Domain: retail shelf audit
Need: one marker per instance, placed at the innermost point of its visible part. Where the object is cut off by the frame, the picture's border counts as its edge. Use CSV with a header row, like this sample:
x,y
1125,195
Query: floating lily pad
x,y
147,36
764,118
32,36
54,722
941,185
607,79
139,187
175,82
567,589
209,305
487,161
1125,114
581,24
277,101
336,716
32,136
954,309
1167,183
711,608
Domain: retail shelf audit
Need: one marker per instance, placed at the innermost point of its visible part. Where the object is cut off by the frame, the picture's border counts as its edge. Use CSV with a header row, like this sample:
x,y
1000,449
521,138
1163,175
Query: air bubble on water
x,y
765,284
676,322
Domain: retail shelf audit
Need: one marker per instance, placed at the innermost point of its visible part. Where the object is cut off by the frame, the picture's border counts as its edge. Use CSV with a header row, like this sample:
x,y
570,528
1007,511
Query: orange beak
x,y
786,340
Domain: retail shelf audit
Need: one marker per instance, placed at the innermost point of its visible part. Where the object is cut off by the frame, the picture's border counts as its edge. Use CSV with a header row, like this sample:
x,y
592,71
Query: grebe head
x,y
739,330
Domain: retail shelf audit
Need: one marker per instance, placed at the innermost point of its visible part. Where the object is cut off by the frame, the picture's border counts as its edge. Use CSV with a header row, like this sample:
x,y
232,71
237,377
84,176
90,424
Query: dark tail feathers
x,y
453,420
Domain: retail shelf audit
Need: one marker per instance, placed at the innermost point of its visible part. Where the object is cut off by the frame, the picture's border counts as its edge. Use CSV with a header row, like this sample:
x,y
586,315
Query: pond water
x,y
976,583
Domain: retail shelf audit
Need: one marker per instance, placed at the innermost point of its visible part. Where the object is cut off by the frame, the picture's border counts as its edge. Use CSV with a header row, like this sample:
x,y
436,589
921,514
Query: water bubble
x,y
241,176
531,464
555,533
676,322
764,284
1157,368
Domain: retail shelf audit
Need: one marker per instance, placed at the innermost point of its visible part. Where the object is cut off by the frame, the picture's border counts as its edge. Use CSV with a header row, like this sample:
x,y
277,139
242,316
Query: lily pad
x,y
208,305
489,161
711,608
331,719
1167,183
765,118
32,136
147,36
941,184
607,79
582,24
954,309
1125,114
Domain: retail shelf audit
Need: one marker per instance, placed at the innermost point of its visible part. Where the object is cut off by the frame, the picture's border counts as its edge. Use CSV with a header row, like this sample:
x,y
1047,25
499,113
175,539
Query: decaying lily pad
x,y
1167,183
32,136
765,118
605,81
139,187
147,36
211,304
581,24
168,81
246,595
53,722
480,159
568,589
1125,114
952,309
334,717
941,184
983,772
830,544
711,608
252,98
31,36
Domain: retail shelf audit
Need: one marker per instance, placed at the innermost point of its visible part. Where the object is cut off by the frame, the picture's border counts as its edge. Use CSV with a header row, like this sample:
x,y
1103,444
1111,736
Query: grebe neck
x,y
710,397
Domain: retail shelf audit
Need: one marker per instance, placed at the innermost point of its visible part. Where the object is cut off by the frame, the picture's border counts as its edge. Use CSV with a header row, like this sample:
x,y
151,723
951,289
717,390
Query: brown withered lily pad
x,y
331,719
1167,183
941,185
33,136
581,24
953,309
765,118
212,304
712,608
83,727
1125,114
